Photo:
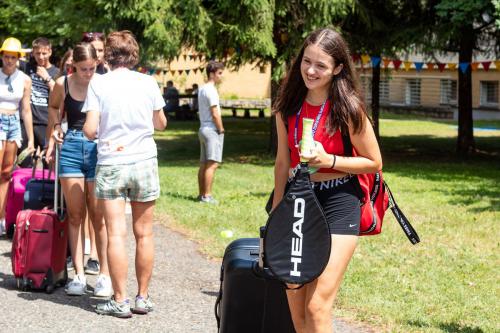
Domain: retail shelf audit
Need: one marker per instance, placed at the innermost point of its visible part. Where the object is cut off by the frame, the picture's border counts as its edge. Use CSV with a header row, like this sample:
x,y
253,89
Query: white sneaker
x,y
103,287
87,246
77,287
2,227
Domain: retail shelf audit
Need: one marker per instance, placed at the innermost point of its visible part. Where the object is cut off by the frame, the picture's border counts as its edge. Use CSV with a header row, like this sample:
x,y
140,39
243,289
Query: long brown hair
x,y
346,104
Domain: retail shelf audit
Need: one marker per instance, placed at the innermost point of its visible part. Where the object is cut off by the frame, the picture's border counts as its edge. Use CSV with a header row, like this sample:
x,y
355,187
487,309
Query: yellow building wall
x,y
249,81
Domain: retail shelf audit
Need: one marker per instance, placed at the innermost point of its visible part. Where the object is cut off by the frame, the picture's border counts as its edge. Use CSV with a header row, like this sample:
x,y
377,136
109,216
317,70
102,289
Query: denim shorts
x,y
211,145
10,128
78,156
137,181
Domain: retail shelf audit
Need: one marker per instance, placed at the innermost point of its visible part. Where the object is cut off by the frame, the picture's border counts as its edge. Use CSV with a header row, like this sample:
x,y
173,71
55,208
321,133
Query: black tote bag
x,y
297,239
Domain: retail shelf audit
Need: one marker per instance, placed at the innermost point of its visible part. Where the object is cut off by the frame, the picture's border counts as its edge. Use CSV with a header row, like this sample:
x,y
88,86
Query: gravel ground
x,y
184,287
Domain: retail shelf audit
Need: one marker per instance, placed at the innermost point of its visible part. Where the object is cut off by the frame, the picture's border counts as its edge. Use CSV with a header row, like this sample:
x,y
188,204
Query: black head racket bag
x,y
297,239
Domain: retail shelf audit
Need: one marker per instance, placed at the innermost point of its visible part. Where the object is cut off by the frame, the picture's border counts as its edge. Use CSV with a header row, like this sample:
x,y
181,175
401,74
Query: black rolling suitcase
x,y
249,300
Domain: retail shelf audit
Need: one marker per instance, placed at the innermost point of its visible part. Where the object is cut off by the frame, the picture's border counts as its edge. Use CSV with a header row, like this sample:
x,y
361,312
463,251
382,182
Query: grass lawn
x,y
447,283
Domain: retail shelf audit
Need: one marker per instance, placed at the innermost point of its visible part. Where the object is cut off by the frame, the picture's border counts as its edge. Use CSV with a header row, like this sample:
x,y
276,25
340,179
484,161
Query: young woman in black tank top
x,y
77,165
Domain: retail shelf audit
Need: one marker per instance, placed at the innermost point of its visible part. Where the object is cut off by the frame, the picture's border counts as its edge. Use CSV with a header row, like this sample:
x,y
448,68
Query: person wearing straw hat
x,y
15,90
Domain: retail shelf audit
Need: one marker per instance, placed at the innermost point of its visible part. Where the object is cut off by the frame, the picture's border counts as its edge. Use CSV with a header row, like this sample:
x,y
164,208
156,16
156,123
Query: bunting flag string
x,y
365,59
463,67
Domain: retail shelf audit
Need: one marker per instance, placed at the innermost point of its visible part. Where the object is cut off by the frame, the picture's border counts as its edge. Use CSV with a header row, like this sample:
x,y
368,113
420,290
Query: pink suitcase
x,y
15,194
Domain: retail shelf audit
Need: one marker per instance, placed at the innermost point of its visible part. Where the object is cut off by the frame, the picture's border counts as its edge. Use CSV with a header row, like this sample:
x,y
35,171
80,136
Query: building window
x,y
489,93
412,92
384,92
449,92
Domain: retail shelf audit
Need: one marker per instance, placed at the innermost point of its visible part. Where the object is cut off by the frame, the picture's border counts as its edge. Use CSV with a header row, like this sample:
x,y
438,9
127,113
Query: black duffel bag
x,y
297,239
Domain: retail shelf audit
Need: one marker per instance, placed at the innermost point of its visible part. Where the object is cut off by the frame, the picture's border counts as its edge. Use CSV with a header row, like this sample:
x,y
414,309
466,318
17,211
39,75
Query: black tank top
x,y
73,108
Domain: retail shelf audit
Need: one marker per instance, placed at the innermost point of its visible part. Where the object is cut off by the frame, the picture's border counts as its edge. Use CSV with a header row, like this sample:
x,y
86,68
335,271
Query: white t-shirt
x,y
207,97
125,101
10,100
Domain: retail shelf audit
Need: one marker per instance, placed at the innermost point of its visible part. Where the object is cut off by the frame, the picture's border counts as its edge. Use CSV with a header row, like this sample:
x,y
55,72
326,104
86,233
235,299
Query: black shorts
x,y
341,205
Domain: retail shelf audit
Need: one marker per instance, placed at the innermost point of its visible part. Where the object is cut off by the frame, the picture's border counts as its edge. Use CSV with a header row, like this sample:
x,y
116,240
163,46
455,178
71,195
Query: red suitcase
x,y
39,250
39,247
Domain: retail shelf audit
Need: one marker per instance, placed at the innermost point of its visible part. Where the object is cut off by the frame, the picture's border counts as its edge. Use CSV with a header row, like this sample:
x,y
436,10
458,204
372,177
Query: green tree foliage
x,y
463,26
382,28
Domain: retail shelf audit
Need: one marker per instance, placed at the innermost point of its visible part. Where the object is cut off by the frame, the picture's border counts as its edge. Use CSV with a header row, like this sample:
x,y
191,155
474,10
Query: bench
x,y
246,109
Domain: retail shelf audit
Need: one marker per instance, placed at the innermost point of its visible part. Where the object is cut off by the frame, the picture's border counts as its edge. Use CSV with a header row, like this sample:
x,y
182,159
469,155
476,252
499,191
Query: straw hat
x,y
12,44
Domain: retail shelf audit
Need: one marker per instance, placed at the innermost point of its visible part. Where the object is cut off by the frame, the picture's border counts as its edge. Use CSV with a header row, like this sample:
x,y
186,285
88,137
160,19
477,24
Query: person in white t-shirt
x,y
125,107
211,132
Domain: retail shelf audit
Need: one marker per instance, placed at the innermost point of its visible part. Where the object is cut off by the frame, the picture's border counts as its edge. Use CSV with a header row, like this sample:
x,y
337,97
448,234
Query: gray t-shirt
x,y
207,97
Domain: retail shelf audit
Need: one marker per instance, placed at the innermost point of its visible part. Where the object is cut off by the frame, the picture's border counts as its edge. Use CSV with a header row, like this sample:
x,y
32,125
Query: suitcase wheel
x,y
49,289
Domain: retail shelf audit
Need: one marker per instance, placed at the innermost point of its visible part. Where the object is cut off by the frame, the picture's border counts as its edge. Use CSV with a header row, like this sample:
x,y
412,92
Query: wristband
x,y
334,160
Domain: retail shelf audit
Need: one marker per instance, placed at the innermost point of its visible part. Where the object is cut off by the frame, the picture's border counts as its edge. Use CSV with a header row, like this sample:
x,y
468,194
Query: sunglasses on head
x,y
9,84
91,36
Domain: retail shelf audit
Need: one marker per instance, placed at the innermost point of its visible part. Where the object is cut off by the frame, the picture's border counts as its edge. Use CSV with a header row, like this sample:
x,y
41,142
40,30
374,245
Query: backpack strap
x,y
401,218
346,142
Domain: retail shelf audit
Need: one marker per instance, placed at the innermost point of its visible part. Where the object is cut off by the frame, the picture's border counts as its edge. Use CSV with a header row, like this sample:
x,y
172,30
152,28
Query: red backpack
x,y
376,198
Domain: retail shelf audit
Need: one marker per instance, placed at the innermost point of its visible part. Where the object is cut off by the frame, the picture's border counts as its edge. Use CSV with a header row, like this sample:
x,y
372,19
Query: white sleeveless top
x,y
10,100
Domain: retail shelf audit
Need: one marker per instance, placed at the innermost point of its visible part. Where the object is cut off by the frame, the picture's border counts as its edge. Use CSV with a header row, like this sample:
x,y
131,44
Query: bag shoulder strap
x,y
346,142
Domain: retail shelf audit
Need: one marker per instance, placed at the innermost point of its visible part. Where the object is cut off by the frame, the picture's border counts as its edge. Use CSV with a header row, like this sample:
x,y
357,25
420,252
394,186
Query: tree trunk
x,y
273,134
465,142
376,100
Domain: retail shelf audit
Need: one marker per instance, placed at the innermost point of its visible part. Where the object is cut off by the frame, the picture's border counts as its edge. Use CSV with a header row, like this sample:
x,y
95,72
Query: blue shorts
x,y
10,128
78,156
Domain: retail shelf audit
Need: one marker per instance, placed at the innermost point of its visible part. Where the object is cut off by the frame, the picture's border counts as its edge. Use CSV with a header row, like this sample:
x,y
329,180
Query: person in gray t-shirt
x,y
211,133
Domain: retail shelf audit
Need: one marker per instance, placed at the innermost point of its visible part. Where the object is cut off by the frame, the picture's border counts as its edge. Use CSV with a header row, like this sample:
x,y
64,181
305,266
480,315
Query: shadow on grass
x,y
416,156
448,327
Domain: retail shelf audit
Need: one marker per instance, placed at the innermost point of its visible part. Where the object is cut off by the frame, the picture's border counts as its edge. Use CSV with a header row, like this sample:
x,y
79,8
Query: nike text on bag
x,y
376,197
297,239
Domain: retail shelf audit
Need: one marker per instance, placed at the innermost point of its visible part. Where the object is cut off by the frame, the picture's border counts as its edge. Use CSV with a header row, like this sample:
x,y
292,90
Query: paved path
x,y
183,287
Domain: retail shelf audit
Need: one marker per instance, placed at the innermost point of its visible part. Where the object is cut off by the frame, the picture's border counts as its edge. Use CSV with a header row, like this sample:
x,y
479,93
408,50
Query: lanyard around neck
x,y
315,125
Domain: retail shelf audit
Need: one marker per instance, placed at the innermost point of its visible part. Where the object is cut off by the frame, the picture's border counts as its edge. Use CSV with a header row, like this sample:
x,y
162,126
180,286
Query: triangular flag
x,y
430,65
407,65
441,66
180,71
184,56
355,58
365,59
158,72
144,70
191,57
497,65
418,66
231,51
387,62
452,66
486,65
463,67
176,58
172,73
187,71
474,66
396,63
195,70
375,61
200,57
164,72
151,71
139,69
